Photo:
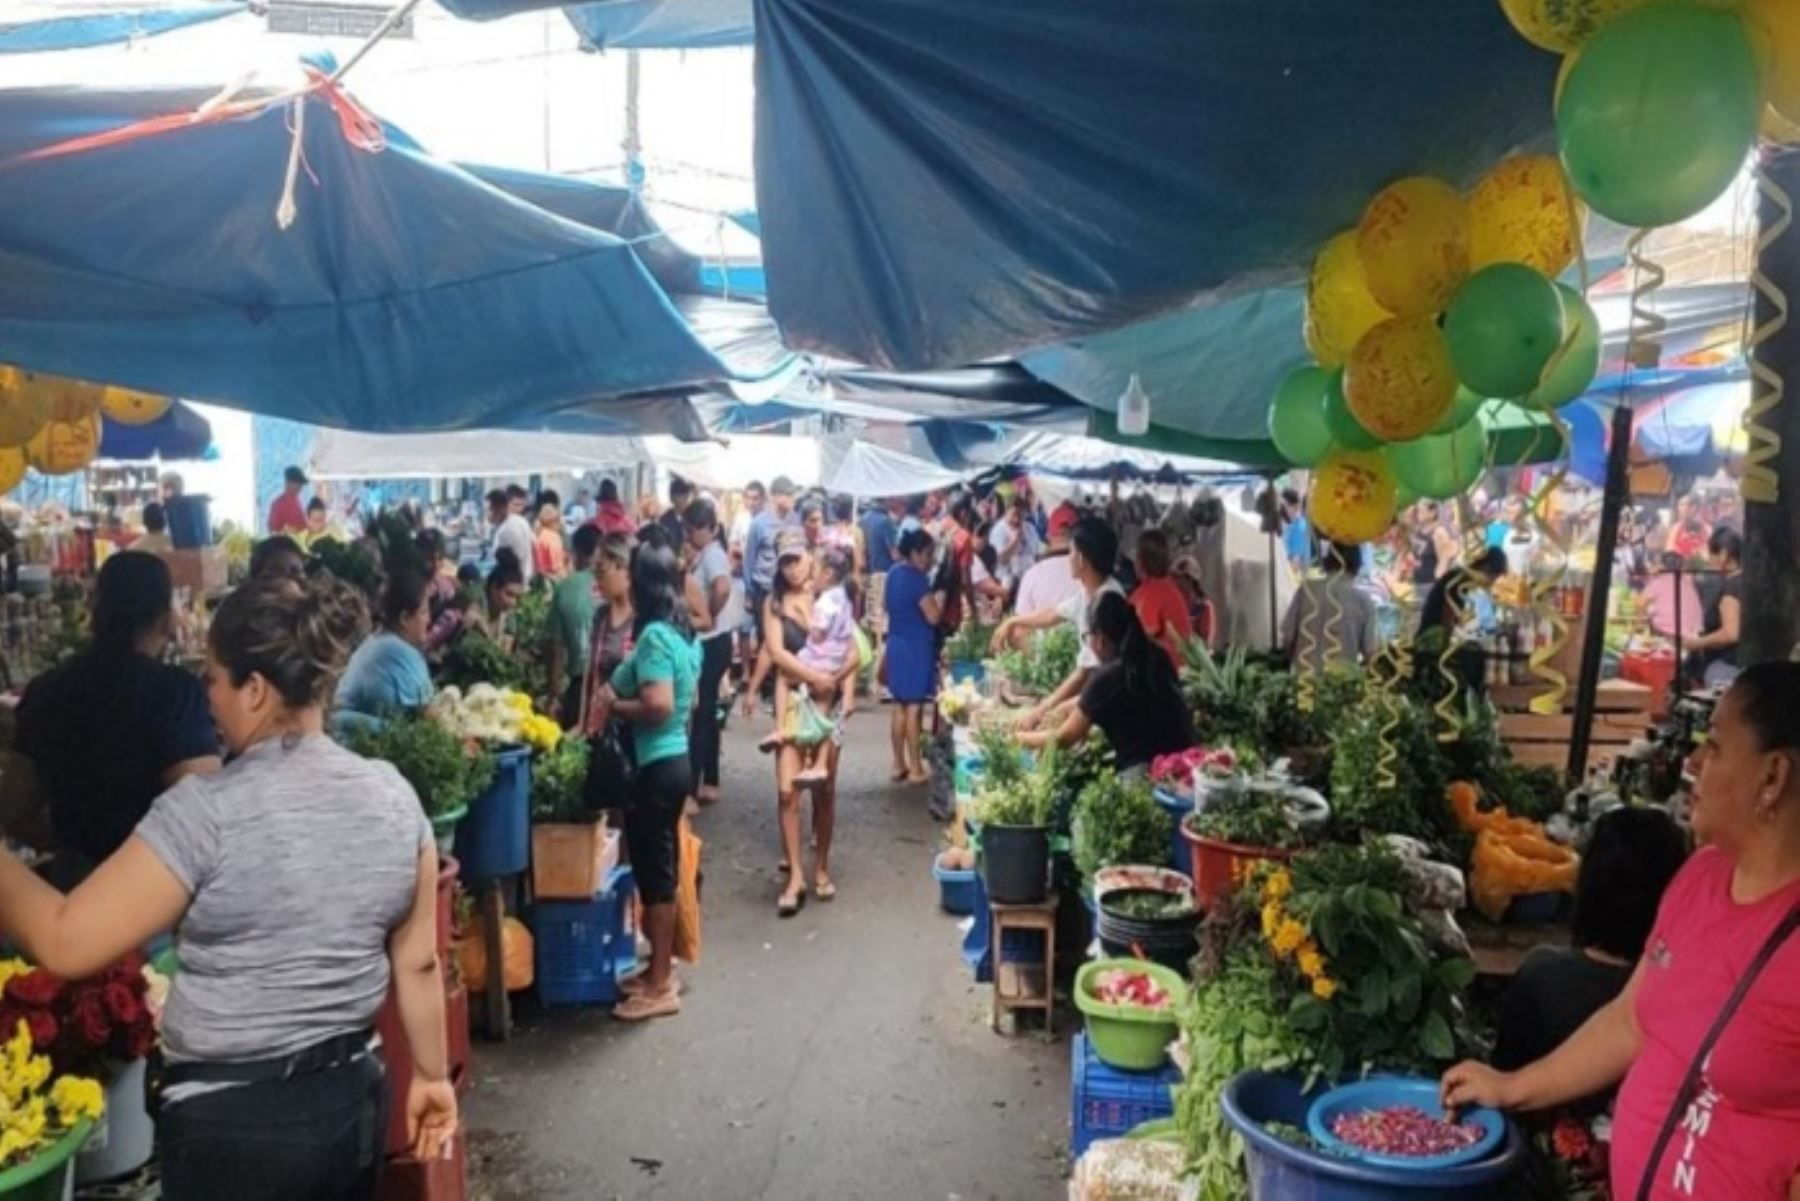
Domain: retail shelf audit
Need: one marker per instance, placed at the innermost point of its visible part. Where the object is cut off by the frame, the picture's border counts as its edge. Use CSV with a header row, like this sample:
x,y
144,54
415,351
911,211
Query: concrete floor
x,y
843,1053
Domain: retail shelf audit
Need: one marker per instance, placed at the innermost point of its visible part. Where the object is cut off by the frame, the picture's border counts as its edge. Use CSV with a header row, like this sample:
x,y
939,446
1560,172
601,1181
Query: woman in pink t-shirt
x,y
1738,1138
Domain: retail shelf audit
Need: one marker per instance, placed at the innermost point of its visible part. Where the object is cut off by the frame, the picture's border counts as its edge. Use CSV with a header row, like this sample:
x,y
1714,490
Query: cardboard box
x,y
202,572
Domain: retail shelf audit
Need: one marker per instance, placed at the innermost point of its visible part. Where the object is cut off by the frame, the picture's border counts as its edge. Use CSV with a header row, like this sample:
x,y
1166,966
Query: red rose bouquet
x,y
83,1025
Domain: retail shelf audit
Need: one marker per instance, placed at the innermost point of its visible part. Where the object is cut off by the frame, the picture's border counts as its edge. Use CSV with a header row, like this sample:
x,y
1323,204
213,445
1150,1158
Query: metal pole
x,y
1618,456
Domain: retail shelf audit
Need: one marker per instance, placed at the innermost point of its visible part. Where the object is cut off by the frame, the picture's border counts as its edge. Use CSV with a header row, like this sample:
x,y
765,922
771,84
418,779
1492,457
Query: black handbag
x,y
1690,1085
611,769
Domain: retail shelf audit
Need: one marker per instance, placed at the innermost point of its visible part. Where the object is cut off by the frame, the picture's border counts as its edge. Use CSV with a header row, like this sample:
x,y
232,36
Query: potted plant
x,y
1014,821
965,651
103,1028
47,1119
495,839
1241,826
1038,671
570,844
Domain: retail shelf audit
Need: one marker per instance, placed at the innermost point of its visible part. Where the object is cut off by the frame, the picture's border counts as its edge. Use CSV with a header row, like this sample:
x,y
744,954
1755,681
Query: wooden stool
x,y
1024,985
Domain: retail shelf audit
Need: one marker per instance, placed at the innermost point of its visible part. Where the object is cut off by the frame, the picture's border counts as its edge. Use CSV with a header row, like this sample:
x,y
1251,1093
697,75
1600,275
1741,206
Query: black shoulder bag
x,y
1690,1084
611,769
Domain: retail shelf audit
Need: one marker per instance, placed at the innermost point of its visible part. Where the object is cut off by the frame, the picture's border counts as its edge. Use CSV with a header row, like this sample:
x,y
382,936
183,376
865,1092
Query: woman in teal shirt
x,y
388,675
653,691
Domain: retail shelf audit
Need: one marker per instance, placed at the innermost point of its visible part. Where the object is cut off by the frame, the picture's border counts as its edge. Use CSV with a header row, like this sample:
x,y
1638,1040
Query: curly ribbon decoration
x,y
1398,654
1761,484
1643,346
1550,700
1303,658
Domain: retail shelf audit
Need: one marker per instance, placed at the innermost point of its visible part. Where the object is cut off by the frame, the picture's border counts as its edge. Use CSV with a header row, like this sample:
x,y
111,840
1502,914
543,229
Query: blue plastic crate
x,y
583,947
1105,1102
972,670
495,838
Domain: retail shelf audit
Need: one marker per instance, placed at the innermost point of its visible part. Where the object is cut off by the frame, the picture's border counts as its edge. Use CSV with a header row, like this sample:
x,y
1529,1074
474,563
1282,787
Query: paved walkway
x,y
842,1054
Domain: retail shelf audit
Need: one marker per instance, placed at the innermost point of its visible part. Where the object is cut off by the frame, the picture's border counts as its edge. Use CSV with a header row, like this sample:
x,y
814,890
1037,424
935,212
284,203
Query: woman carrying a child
x,y
811,645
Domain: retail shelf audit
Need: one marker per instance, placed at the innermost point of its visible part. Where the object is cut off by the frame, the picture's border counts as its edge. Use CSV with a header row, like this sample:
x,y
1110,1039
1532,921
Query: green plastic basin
x,y
1130,1037
41,1177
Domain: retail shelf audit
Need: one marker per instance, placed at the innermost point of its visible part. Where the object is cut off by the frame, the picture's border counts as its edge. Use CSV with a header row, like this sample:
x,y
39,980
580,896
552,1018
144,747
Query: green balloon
x,y
1574,372
1659,112
1440,466
1502,327
1404,497
1465,406
1297,417
1340,422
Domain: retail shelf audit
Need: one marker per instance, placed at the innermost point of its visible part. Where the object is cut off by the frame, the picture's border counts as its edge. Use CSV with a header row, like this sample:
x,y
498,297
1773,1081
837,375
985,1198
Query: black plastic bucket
x,y
1015,863
1166,940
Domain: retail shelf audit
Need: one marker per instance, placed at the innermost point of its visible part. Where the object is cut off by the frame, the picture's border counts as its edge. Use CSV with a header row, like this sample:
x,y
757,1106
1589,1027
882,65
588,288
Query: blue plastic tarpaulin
x,y
407,295
660,24
35,29
180,433
982,176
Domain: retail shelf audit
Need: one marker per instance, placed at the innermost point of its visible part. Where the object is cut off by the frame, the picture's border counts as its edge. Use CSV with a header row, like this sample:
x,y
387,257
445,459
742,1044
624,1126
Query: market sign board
x,y
333,19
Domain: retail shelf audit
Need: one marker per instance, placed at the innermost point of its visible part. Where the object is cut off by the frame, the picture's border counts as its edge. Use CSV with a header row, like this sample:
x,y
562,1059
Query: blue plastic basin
x,y
1383,1091
956,888
1177,808
1282,1172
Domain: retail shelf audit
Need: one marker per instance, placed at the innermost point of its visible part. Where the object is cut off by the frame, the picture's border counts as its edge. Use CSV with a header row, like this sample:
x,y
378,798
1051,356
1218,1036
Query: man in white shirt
x,y
1015,541
511,531
1094,549
1049,582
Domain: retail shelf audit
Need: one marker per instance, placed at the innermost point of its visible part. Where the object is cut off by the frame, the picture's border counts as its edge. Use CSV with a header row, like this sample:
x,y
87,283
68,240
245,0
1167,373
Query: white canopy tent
x,y
841,464
346,454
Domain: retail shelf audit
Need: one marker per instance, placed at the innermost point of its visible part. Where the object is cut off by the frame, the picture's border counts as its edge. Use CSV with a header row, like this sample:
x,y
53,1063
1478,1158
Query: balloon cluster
x,y
1659,101
53,424
1435,303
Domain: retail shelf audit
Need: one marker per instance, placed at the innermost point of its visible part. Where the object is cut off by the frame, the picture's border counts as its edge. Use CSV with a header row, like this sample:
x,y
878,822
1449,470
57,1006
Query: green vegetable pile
x,y
1118,822
1248,817
971,643
444,772
474,658
557,777
1047,664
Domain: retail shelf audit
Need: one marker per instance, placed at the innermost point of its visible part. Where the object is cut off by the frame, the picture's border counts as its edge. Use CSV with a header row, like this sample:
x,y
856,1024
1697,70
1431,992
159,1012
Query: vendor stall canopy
x,y
37,26
407,294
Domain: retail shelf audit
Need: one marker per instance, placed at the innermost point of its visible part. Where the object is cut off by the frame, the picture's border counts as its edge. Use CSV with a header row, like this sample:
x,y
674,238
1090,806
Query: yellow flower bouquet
x,y
39,1110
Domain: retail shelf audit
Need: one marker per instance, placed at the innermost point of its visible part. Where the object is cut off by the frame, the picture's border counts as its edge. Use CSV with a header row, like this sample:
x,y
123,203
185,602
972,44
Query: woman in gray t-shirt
x,y
303,879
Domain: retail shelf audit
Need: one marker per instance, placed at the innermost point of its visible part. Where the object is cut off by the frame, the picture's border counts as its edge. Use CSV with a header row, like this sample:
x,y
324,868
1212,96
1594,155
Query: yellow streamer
x,y
1387,758
1643,348
1303,659
1761,483
1550,700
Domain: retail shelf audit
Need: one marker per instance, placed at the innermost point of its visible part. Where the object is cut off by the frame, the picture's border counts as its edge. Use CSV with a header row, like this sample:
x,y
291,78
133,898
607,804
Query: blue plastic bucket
x,y
956,888
1279,1171
495,838
1177,808
968,669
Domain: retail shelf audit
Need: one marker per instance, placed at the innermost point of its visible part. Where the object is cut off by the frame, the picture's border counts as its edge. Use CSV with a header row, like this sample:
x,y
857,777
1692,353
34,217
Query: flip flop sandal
x,y
643,1006
788,907
826,891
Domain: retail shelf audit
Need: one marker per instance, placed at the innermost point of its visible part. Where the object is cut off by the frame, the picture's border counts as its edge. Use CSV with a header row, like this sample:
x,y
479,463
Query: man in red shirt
x,y
1158,600
287,515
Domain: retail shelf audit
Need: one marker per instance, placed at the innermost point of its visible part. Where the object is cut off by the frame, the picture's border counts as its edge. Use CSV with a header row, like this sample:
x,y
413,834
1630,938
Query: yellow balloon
x,y
68,400
1414,243
1563,25
1775,29
1354,495
1339,307
1399,382
128,406
22,409
12,467
65,446
1522,212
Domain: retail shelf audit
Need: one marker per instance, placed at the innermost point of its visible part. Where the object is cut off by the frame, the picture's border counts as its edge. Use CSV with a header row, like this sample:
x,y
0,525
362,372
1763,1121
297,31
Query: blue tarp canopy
x,y
983,177
180,433
659,24
32,28
407,295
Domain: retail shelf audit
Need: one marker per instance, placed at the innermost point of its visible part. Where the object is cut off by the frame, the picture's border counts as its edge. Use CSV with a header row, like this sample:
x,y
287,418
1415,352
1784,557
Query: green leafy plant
x,y
1047,664
446,772
349,563
1248,817
1117,821
557,777
1003,763
474,658
970,644
1030,801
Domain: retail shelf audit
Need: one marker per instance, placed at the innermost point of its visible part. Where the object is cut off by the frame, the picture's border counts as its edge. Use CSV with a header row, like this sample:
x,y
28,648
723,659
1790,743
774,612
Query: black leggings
x,y
715,660
309,1138
658,793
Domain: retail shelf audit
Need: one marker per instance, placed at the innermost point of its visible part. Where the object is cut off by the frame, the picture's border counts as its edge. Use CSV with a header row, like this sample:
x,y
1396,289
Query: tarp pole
x,y
1771,625
1612,504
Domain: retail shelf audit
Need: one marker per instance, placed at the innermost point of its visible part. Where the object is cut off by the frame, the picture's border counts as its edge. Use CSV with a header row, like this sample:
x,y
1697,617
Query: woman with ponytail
x,y
114,727
303,880
1134,695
